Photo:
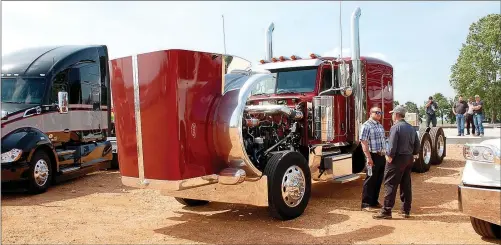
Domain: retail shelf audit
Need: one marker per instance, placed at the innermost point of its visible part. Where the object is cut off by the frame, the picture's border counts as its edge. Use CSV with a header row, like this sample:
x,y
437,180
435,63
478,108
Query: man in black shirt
x,y
460,108
431,108
402,145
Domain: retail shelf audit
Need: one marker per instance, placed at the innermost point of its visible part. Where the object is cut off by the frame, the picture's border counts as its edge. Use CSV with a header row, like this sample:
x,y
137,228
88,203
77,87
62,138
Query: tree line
x,y
477,71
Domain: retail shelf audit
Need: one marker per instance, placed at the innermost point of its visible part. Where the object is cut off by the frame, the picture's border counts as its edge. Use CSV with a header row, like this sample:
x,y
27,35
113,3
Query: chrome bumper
x,y
208,188
481,203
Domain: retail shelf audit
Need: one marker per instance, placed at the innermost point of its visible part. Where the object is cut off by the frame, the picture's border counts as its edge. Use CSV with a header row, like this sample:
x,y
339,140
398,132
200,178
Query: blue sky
x,y
420,39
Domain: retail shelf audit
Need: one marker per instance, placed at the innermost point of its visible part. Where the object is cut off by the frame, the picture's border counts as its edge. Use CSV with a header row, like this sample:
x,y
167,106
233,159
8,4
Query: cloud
x,y
335,52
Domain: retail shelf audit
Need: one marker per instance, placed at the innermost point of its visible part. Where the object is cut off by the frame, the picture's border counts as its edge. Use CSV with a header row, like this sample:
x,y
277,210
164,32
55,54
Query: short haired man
x,y
460,108
478,115
373,144
431,107
402,145
469,118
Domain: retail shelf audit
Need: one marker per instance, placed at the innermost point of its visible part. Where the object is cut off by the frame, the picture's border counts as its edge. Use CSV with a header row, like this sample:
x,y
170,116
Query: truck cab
x,y
55,114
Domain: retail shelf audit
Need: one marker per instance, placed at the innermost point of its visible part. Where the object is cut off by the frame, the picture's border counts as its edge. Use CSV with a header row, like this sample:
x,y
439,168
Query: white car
x,y
479,192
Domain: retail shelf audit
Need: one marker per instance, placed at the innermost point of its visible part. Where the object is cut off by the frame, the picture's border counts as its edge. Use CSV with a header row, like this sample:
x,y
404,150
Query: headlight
x,y
481,153
11,156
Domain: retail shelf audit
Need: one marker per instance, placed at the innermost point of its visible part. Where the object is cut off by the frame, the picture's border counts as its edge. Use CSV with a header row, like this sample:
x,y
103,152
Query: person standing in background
x,y
469,118
478,115
460,108
431,108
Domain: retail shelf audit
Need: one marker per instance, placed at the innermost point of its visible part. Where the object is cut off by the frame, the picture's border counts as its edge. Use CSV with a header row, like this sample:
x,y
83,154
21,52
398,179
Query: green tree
x,y
411,107
478,67
395,103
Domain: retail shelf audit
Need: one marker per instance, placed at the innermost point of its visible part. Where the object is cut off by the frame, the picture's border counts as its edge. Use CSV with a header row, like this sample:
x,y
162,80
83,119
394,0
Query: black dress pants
x,y
372,184
396,173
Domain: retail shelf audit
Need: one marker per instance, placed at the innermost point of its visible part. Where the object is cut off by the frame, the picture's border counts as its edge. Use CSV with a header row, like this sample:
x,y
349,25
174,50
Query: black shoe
x,y
381,215
468,133
459,135
482,134
404,214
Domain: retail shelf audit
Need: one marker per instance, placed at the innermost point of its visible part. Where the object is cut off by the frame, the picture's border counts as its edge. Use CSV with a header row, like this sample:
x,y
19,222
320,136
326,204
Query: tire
x,y
282,166
486,229
422,164
40,174
191,202
438,145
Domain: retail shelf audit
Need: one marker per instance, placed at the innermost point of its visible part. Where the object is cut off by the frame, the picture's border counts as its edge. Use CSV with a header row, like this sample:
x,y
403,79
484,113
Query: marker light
x,y
314,56
294,57
282,58
274,59
262,61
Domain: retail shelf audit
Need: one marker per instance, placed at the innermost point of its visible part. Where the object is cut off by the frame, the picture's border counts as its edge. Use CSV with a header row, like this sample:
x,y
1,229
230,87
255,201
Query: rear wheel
x,y
40,175
289,185
191,202
438,145
486,229
422,163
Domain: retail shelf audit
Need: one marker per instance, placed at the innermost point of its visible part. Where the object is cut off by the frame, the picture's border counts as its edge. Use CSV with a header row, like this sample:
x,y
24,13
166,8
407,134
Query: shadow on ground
x,y
434,193
78,187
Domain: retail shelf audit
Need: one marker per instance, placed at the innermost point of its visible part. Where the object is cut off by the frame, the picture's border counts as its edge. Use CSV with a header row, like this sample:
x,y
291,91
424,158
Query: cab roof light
x,y
314,56
274,59
295,57
263,61
282,58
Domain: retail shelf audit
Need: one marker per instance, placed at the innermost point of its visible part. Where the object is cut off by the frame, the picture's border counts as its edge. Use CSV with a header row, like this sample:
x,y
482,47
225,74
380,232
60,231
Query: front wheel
x,y
40,173
486,229
289,185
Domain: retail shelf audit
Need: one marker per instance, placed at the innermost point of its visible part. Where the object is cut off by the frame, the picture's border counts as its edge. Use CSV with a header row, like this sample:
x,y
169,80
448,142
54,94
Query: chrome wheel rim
x,y
41,173
427,152
440,146
293,186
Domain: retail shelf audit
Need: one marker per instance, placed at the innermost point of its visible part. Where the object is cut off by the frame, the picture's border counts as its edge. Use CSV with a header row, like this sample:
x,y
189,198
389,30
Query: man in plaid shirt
x,y
373,145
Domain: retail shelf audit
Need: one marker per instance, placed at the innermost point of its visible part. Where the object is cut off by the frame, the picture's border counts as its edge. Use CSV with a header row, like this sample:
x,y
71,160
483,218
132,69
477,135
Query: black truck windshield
x,y
288,81
23,90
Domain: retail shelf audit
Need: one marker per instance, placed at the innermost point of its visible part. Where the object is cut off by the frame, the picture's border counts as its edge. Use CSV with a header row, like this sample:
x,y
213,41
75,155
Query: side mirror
x,y
63,102
344,76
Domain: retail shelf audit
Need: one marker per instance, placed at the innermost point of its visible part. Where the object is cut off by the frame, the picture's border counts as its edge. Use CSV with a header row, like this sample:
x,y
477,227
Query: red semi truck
x,y
206,127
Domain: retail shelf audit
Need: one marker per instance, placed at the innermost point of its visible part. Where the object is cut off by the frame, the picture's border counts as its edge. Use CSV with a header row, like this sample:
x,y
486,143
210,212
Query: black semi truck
x,y
56,115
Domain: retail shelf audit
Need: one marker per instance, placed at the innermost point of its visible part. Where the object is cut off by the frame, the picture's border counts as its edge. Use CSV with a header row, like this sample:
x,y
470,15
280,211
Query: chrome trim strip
x,y
206,188
137,113
481,203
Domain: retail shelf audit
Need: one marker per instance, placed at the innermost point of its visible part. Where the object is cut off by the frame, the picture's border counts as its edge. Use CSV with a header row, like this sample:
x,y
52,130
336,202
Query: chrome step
x,y
346,178
69,169
65,152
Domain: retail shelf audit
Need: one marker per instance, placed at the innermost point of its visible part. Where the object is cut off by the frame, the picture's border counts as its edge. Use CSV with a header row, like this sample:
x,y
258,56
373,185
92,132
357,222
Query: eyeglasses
x,y
378,112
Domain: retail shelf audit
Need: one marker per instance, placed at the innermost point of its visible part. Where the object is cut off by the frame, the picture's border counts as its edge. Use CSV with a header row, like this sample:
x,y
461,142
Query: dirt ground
x,y
97,208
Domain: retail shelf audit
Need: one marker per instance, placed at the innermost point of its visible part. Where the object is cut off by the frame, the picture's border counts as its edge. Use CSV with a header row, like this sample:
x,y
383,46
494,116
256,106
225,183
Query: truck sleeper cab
x,y
55,116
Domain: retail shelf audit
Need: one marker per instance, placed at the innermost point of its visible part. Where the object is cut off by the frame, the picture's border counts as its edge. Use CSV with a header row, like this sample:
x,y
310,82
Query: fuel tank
x,y
178,114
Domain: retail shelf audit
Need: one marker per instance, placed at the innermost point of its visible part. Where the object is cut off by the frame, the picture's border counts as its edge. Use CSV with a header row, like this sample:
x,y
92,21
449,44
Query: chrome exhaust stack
x,y
360,108
269,41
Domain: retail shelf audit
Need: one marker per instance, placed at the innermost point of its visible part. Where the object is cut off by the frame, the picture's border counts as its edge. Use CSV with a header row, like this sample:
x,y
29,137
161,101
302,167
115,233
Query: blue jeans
x,y
477,119
460,123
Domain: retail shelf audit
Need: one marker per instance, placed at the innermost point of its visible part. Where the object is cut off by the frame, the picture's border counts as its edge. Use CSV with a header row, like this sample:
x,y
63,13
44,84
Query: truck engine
x,y
270,127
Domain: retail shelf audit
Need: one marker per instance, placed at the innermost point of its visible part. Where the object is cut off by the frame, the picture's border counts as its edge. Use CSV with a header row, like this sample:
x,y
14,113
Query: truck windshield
x,y
23,90
288,81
